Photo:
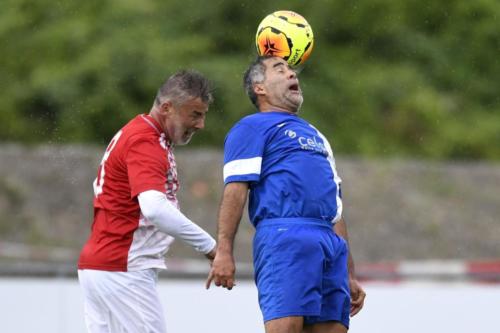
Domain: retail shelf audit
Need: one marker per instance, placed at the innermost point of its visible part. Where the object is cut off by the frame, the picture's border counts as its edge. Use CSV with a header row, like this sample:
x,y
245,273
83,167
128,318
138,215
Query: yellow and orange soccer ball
x,y
285,34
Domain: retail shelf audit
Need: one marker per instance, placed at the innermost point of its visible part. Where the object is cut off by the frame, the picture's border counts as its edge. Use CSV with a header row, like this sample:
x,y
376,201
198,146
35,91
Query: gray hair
x,y
255,73
183,86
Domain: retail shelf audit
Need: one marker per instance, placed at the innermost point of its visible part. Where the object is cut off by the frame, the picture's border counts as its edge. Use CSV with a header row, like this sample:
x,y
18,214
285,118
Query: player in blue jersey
x,y
304,271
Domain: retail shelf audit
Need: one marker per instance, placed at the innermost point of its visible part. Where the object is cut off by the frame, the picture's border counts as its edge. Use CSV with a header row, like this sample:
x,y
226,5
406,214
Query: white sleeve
x,y
157,209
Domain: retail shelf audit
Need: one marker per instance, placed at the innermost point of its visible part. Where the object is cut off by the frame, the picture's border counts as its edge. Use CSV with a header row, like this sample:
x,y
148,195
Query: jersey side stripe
x,y
242,167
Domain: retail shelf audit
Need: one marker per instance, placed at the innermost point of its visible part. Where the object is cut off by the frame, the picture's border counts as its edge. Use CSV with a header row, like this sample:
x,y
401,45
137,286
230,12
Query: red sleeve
x,y
147,167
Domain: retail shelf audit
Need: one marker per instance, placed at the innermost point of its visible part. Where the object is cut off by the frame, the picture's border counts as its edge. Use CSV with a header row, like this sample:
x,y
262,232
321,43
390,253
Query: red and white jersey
x,y
138,158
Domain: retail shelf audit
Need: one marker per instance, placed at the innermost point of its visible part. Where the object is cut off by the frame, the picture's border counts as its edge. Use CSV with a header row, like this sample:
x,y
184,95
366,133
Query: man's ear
x,y
165,108
259,89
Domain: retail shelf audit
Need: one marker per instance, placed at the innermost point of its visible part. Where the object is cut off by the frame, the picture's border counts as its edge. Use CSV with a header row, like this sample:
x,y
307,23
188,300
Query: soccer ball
x,y
285,34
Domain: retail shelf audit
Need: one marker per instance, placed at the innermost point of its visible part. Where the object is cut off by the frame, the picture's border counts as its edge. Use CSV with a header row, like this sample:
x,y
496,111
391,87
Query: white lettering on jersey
x,y
99,181
309,143
291,134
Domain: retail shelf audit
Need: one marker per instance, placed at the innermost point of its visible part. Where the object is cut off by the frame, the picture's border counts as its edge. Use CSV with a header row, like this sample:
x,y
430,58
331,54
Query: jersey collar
x,y
152,122
156,126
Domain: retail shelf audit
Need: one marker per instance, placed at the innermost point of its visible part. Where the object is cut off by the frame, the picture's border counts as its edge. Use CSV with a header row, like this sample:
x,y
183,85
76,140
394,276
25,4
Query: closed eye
x,y
280,67
197,114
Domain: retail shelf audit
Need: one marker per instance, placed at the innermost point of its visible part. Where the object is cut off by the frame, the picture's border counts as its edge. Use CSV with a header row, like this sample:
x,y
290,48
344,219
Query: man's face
x,y
281,85
186,119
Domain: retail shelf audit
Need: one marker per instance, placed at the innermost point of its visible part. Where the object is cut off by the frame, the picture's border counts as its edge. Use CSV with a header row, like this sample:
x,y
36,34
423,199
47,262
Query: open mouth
x,y
294,87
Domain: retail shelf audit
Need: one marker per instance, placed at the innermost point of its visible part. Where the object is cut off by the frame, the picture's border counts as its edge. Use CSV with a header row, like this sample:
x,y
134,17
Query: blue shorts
x,y
301,270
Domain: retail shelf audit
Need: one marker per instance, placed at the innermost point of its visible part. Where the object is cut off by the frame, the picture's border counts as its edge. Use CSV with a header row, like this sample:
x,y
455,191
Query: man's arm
x,y
357,293
230,213
158,210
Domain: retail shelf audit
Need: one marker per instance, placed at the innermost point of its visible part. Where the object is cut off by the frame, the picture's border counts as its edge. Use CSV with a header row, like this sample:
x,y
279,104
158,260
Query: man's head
x,y
181,105
271,84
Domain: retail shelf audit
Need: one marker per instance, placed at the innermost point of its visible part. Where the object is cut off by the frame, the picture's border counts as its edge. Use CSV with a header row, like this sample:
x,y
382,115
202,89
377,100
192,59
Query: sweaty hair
x,y
183,86
255,73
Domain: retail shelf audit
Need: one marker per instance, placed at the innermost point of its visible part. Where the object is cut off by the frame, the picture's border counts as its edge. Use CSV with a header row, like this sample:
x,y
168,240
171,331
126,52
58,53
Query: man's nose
x,y
200,124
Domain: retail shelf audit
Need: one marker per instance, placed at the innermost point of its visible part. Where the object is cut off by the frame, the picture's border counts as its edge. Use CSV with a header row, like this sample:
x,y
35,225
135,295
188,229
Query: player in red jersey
x,y
136,213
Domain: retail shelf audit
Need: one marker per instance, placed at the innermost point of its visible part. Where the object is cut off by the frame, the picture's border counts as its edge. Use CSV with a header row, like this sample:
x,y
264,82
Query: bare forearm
x,y
357,293
341,230
230,213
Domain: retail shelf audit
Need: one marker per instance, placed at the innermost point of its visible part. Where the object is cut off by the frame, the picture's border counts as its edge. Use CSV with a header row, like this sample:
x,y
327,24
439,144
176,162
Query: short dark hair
x,y
255,73
185,85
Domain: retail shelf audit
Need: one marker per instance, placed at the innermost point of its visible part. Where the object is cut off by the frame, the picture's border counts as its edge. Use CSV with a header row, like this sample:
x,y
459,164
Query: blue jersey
x,y
288,164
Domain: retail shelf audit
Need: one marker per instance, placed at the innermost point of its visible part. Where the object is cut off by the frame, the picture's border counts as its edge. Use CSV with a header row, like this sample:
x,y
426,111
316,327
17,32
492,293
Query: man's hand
x,y
211,255
222,272
357,296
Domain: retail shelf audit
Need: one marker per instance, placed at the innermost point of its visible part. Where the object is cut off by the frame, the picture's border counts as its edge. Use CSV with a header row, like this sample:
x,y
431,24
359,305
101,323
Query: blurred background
x,y
407,92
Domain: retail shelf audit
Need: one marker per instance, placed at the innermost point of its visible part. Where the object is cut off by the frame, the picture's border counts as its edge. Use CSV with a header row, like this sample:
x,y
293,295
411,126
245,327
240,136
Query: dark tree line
x,y
387,77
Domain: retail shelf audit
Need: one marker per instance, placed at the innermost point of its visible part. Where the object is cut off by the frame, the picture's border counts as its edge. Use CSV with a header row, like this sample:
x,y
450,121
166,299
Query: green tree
x,y
386,77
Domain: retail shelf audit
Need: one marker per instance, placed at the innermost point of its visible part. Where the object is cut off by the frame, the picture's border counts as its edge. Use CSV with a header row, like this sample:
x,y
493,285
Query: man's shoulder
x,y
139,128
138,131
138,124
261,121
249,119
247,123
